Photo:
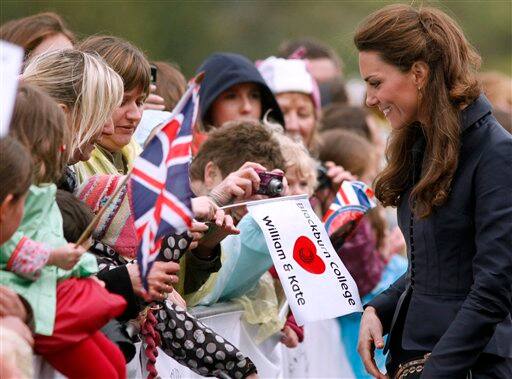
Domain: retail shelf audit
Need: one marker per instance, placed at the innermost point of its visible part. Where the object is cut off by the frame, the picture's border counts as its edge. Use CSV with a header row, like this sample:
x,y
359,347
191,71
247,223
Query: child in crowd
x,y
362,253
15,336
69,308
367,253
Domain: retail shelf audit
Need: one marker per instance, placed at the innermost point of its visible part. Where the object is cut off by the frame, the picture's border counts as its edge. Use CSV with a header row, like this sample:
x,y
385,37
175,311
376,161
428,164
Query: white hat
x,y
289,75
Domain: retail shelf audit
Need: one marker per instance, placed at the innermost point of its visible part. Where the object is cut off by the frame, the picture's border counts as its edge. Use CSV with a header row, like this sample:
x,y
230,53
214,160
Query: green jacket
x,y
42,222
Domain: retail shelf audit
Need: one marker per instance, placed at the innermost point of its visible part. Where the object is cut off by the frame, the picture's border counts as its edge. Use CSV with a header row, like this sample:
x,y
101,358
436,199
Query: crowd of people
x,y
84,111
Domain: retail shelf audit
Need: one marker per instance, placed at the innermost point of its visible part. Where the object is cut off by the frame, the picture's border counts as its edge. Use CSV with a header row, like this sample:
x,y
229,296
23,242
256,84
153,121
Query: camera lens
x,y
275,187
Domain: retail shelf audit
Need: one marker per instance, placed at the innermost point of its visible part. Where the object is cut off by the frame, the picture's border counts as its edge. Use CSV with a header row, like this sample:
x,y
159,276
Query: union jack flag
x,y
353,200
160,182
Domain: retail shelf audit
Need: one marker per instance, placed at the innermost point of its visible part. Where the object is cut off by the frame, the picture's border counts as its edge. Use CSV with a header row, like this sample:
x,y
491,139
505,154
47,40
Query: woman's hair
x,y
170,84
40,125
15,168
126,59
84,84
29,32
403,35
235,143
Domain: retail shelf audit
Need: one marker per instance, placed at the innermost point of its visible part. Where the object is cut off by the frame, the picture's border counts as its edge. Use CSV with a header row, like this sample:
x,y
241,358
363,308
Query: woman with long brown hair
x,y
449,172
38,33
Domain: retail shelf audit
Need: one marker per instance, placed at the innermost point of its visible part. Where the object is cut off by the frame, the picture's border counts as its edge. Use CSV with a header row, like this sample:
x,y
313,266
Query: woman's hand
x,y
66,257
154,101
370,336
161,278
240,185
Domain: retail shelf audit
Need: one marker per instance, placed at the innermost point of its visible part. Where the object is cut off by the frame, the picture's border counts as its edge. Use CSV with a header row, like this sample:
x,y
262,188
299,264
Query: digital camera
x,y
271,184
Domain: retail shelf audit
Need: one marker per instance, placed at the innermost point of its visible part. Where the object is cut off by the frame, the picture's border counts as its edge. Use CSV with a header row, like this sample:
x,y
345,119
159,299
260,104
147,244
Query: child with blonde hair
x,y
53,276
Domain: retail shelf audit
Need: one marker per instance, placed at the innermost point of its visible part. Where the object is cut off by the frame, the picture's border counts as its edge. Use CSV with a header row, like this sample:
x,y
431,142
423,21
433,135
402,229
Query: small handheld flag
x,y
160,181
352,202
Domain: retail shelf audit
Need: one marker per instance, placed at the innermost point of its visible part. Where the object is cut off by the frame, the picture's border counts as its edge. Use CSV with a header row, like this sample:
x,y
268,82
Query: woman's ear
x,y
212,175
420,72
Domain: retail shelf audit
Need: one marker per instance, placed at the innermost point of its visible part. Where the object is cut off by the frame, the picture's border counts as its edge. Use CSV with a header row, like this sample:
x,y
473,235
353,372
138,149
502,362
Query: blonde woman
x,y
85,88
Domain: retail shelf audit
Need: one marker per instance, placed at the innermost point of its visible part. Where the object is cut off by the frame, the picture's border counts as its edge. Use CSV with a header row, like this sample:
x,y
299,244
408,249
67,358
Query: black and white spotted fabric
x,y
174,246
191,343
183,337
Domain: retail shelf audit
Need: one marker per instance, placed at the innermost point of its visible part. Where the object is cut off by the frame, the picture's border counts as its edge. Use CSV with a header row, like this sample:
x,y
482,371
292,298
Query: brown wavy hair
x,y
125,58
403,35
29,32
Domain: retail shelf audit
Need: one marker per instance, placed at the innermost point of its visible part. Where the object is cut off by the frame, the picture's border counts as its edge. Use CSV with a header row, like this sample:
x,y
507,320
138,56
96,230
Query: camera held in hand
x,y
271,184
323,179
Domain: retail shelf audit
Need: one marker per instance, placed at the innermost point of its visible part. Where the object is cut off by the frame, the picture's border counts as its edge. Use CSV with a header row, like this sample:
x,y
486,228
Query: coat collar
x,y
474,112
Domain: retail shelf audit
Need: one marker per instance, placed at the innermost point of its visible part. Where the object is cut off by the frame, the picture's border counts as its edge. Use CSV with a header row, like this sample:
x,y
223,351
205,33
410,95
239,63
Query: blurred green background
x,y
187,32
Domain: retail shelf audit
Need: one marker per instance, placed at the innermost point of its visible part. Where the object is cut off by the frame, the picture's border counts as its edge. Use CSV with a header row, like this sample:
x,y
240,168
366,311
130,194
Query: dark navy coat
x,y
459,283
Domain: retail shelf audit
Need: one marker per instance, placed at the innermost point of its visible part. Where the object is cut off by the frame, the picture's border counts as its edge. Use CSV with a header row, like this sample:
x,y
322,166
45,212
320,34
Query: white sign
x,y
316,283
11,60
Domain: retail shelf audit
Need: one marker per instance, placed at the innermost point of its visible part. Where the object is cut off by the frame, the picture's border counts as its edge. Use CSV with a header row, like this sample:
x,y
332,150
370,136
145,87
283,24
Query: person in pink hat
x,y
297,94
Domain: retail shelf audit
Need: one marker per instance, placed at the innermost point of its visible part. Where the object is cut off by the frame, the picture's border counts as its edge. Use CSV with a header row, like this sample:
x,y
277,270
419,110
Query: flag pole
x,y
263,201
177,109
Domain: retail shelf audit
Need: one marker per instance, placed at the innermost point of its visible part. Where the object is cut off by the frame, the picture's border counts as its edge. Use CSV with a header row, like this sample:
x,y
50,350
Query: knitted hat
x,y
116,226
289,75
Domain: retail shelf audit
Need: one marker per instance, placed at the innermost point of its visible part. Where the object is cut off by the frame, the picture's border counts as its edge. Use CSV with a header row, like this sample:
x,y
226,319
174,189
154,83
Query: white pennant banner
x,y
316,283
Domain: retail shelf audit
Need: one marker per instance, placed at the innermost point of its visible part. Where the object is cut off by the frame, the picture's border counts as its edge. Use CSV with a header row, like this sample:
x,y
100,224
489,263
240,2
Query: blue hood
x,y
223,70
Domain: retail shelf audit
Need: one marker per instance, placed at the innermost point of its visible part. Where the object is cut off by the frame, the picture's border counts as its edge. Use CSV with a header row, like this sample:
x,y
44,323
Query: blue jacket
x,y
459,280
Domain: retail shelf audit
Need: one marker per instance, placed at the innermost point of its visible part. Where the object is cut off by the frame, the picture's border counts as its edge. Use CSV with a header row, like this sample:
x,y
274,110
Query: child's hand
x,y
66,257
289,338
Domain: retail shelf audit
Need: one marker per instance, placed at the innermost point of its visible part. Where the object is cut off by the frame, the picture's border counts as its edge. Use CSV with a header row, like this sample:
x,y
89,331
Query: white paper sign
x,y
11,60
316,283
